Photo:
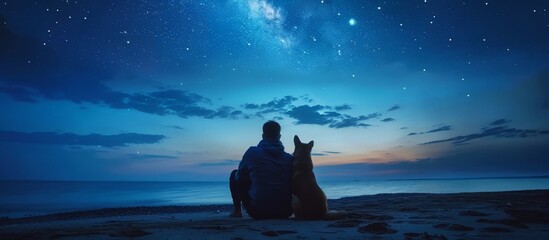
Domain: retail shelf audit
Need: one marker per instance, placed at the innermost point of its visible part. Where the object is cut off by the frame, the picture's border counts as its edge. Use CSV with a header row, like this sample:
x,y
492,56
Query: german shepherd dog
x,y
309,201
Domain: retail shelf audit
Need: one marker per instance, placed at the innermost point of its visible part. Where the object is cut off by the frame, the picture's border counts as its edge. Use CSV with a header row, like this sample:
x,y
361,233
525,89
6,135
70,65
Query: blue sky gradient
x,y
178,90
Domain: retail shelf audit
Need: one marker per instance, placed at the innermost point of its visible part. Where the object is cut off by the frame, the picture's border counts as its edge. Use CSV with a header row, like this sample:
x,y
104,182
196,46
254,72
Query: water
x,y
22,198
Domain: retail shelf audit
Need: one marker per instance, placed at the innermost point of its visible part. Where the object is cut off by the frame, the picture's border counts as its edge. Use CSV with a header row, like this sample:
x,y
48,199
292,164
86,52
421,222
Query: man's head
x,y
271,129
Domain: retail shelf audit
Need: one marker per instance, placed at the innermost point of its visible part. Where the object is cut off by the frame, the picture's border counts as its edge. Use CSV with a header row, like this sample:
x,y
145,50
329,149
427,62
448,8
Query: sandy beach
x,y
493,215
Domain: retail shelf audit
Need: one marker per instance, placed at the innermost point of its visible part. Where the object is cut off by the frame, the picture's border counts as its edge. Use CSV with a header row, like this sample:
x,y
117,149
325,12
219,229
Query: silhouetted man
x,y
262,183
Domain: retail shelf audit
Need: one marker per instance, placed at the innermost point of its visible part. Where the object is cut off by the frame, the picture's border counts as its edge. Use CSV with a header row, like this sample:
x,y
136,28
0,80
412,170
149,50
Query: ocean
x,y
25,198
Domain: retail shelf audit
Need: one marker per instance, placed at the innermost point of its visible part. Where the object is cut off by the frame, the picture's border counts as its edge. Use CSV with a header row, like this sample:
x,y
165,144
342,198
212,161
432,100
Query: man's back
x,y
263,181
269,169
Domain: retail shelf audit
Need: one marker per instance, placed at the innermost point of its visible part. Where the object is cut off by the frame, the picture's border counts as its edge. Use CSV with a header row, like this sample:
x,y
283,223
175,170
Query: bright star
x,y
352,22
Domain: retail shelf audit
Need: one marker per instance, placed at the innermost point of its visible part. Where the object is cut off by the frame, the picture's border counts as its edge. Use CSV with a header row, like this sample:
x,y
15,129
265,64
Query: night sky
x,y
178,90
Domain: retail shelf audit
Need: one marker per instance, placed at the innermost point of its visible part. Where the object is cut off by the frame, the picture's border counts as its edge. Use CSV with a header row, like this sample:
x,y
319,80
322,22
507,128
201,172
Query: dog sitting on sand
x,y
309,201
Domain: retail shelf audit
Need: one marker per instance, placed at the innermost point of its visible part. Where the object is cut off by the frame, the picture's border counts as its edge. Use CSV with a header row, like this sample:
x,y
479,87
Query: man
x,y
262,183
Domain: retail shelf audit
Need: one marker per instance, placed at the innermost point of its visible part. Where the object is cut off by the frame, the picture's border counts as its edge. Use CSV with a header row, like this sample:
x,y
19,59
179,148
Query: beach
x,y
480,215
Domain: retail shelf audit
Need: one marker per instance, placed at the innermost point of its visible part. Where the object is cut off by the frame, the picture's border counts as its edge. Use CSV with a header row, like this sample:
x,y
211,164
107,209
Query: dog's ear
x,y
296,140
311,144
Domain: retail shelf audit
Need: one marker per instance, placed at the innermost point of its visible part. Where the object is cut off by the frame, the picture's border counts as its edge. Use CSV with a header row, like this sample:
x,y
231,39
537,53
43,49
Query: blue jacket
x,y
269,169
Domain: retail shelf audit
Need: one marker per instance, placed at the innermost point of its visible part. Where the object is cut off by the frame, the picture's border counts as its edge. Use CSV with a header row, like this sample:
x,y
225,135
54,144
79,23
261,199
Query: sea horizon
x,y
337,180
36,197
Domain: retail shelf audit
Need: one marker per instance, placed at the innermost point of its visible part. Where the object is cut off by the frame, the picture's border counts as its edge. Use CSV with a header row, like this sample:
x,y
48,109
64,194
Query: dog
x,y
309,201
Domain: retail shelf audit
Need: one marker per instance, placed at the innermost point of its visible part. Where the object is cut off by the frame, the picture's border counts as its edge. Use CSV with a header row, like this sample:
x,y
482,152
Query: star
x,y
352,22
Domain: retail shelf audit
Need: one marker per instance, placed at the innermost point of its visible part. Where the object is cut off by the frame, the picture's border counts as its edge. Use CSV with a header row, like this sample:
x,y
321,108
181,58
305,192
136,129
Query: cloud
x,y
306,114
251,106
500,132
324,153
393,108
342,107
500,122
225,112
440,129
323,115
276,105
319,154
30,79
499,161
53,138
388,120
176,127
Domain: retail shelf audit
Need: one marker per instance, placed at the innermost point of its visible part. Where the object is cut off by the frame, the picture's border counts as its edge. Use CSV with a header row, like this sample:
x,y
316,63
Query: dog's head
x,y
302,149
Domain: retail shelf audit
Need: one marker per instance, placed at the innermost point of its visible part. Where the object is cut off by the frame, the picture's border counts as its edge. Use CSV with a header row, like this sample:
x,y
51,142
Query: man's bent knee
x,y
233,175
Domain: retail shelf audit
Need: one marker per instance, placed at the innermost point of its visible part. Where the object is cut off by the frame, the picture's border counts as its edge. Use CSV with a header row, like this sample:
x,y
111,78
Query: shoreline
x,y
471,215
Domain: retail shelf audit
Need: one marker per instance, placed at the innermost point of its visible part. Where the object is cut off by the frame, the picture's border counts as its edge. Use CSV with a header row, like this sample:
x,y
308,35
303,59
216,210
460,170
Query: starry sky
x,y
178,90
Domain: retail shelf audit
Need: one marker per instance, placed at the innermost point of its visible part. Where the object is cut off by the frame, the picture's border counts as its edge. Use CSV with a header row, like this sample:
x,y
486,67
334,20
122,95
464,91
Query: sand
x,y
495,215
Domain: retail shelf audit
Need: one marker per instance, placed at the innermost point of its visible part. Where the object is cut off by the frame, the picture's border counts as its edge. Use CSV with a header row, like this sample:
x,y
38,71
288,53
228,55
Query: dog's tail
x,y
335,215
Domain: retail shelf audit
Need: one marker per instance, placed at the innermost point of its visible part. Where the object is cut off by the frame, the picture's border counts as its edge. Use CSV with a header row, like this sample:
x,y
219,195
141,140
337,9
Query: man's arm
x,y
243,170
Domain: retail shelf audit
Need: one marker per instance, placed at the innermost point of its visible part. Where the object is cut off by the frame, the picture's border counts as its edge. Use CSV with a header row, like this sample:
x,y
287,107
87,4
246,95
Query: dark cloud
x,y
276,105
311,114
251,106
322,115
403,128
342,107
512,159
440,129
388,120
500,122
53,138
306,114
177,127
500,132
306,98
225,112
319,154
325,153
348,121
28,78
393,108
279,103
